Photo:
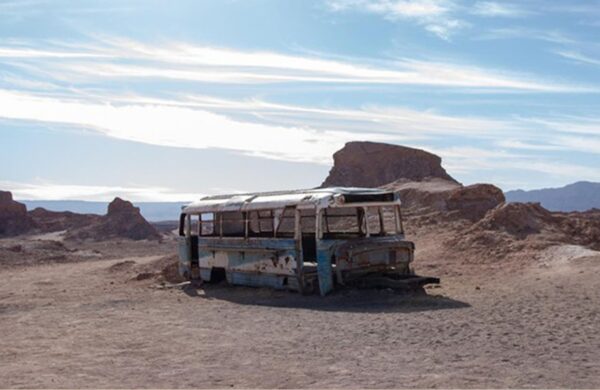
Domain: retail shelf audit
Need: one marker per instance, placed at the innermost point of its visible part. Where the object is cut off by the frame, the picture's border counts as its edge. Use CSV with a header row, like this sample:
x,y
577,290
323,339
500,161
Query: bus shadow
x,y
347,300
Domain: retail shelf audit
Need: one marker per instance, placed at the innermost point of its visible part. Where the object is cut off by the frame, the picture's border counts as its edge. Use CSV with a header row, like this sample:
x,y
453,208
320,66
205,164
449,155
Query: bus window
x,y
342,221
260,223
207,224
374,221
287,224
307,221
265,221
231,223
389,219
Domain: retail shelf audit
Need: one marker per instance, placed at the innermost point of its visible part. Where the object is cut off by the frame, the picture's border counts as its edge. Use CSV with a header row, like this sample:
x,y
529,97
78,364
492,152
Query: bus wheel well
x,y
217,274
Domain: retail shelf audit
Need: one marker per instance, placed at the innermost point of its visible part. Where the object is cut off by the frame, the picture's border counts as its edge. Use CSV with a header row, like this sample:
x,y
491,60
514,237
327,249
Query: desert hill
x,y
151,211
122,220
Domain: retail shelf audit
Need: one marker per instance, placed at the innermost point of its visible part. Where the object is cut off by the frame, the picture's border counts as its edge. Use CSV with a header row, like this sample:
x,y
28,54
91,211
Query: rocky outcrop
x,y
122,220
583,227
372,164
527,220
54,221
13,216
518,219
447,197
474,201
423,196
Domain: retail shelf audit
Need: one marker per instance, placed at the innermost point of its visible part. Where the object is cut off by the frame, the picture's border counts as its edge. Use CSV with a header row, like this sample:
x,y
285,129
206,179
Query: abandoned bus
x,y
299,240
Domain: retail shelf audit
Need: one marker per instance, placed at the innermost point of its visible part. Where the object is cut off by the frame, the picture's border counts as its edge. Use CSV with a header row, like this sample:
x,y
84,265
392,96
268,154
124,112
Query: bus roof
x,y
311,198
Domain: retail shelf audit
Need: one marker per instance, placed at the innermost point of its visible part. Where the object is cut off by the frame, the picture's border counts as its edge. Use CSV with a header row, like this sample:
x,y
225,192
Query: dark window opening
x,y
358,198
345,222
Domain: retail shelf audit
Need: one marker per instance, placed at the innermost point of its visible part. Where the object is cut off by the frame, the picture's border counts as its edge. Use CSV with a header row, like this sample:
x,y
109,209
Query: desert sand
x,y
116,320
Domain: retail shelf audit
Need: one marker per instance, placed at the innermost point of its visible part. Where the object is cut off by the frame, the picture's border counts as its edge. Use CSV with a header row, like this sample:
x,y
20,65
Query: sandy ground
x,y
93,324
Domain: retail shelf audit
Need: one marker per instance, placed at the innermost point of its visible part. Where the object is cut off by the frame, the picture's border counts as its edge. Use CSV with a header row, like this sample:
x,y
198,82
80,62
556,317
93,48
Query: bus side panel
x,y
185,257
209,260
324,269
277,263
262,280
253,262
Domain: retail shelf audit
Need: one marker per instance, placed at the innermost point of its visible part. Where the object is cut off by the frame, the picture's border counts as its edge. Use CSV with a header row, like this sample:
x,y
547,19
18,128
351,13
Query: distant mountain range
x,y
152,211
580,196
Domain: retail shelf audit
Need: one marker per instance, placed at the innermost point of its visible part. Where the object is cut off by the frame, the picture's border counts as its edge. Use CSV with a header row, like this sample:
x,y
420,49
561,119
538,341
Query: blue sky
x,y
169,100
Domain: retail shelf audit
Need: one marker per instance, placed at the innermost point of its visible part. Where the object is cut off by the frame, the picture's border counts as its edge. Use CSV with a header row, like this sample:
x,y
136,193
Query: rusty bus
x,y
303,240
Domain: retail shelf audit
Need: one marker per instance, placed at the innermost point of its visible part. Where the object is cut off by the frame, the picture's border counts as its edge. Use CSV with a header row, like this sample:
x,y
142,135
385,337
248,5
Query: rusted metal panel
x,y
185,256
258,256
324,267
262,280
390,254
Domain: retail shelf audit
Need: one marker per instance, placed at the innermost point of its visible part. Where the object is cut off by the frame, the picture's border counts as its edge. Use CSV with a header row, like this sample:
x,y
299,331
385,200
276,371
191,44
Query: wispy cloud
x,y
118,58
552,36
309,134
252,127
408,123
572,134
465,160
538,145
568,124
43,190
578,57
433,15
497,9
182,127
396,8
588,7
26,52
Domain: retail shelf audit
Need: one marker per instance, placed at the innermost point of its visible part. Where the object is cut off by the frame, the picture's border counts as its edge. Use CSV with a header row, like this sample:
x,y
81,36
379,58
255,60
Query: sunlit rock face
x,y
13,216
122,220
372,164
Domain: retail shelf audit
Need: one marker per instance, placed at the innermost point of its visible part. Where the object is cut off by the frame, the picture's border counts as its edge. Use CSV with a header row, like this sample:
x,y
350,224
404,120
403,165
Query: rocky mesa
x,y
122,220
372,164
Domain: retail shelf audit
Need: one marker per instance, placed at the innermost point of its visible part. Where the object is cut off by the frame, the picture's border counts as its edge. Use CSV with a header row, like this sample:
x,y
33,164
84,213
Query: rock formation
x,y
54,221
474,201
372,164
439,195
123,220
518,219
13,216
423,196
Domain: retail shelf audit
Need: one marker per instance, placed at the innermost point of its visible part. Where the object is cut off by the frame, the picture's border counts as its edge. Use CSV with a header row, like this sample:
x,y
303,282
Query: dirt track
x,y
88,324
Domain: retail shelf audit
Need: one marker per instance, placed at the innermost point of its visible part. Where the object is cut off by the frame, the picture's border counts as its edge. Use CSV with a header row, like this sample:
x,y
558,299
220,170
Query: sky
x,y
172,100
